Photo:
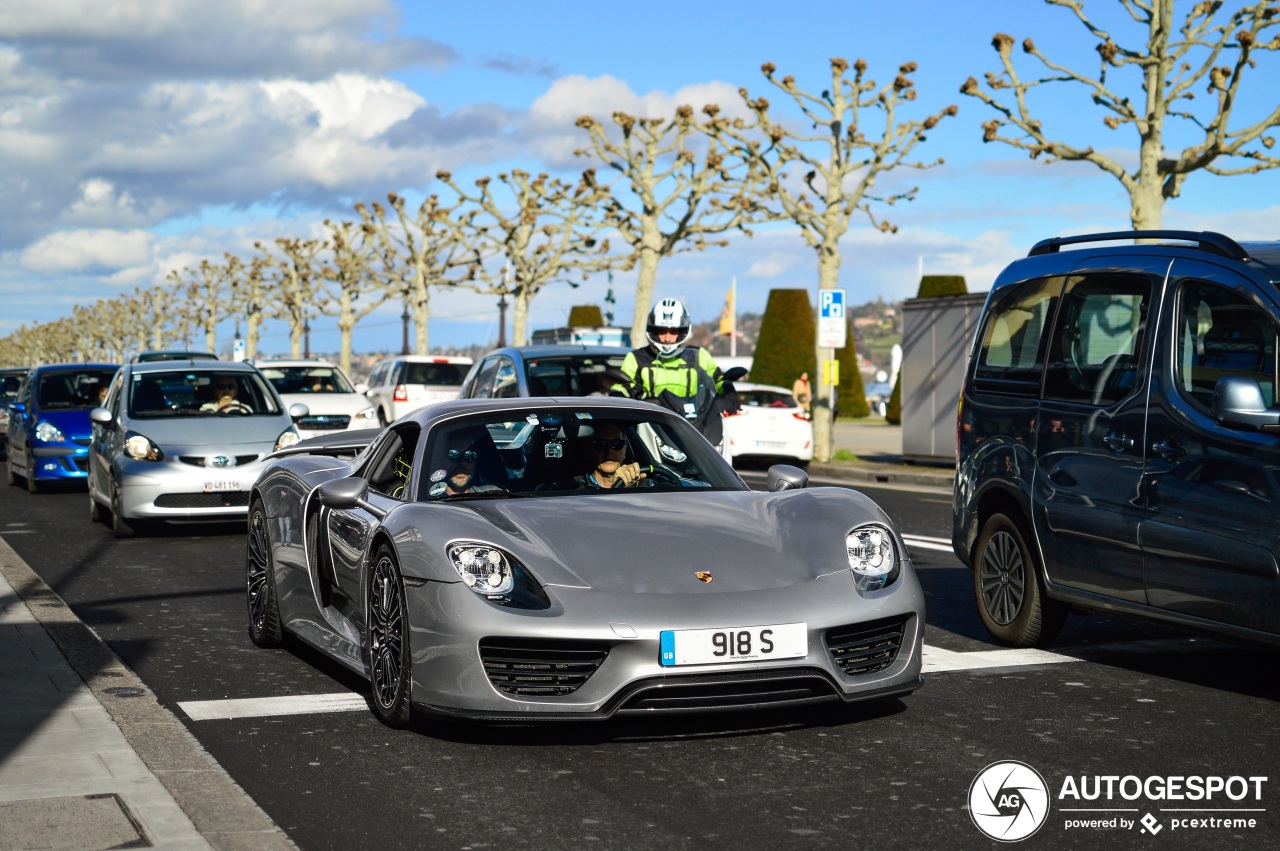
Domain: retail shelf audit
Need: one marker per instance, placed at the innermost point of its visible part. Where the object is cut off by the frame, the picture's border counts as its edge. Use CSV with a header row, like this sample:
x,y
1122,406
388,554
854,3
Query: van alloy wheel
x,y
1009,588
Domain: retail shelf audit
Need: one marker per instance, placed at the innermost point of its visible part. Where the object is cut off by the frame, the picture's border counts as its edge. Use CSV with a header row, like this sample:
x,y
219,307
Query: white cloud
x,y
88,250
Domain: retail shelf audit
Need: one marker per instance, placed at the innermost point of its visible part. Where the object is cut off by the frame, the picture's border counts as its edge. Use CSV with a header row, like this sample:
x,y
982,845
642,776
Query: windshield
x,y
200,393
70,390
556,452
574,375
307,379
766,399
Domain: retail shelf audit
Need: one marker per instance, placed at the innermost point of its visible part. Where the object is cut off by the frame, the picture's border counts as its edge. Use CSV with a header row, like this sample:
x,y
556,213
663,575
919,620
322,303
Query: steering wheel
x,y
235,407
665,475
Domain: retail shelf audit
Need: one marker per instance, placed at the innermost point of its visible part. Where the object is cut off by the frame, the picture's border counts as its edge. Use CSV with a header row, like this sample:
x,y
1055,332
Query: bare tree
x,y
353,290
679,198
856,135
430,249
546,234
291,277
1172,65
206,299
249,296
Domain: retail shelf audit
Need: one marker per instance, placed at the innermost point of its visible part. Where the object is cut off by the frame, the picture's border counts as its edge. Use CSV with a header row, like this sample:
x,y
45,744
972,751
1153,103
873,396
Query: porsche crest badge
x,y
704,576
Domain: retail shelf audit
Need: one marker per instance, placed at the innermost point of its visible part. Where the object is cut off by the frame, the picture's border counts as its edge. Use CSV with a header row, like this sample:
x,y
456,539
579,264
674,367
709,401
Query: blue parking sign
x,y
831,304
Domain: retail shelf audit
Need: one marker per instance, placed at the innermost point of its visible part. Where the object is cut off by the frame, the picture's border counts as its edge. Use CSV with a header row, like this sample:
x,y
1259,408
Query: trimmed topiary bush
x,y
788,333
851,396
933,286
893,410
585,316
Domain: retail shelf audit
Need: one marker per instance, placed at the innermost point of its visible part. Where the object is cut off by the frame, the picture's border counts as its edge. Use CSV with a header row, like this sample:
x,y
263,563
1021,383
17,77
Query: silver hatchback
x,y
183,441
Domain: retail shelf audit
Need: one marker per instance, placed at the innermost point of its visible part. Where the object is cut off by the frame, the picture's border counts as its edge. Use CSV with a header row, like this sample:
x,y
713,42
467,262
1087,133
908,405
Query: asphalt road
x,y
1129,699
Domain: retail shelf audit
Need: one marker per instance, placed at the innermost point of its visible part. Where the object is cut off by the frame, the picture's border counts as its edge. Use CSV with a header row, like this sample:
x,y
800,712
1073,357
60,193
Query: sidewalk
x,y
877,445
88,758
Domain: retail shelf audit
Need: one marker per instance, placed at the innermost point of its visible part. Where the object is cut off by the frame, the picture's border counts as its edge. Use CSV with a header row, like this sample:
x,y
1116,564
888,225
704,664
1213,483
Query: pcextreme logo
x,y
1008,801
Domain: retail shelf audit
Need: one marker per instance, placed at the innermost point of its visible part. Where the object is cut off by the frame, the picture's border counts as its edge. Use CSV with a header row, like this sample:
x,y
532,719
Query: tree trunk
x,y
822,408
252,323
295,337
1146,205
210,337
421,297
520,317
650,254
346,324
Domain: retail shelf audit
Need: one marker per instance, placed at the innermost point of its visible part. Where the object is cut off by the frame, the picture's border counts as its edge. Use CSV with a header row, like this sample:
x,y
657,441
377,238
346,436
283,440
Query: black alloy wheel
x,y
387,642
1009,589
32,485
260,583
120,527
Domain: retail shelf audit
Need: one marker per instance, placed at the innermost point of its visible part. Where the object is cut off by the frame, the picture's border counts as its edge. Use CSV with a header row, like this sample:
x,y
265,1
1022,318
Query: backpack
x,y
699,407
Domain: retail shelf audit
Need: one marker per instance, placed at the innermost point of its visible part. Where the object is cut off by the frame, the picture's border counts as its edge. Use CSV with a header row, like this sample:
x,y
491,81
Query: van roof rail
x,y
1214,243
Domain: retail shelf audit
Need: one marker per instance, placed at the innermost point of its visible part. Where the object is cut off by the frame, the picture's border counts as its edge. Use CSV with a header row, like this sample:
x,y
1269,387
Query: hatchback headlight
x,y
366,415
142,448
873,557
49,433
485,569
288,437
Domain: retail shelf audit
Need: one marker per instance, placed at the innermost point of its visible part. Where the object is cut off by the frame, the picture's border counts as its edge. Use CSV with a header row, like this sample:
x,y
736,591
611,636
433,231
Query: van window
x,y
1220,333
1011,357
1097,342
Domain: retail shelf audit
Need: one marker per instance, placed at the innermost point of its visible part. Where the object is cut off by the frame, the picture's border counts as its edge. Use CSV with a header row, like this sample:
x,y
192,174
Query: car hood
x,y
654,543
194,433
328,403
72,424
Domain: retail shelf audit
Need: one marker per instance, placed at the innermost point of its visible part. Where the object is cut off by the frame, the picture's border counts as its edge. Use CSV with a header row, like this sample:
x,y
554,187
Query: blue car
x,y
49,430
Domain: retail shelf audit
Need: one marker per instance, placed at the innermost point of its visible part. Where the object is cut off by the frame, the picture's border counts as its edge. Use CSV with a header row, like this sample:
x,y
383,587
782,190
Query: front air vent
x,y
532,667
221,499
866,648
198,460
728,691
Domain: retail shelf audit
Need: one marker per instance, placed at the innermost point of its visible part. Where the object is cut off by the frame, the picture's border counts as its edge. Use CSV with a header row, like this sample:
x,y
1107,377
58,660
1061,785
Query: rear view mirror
x,y
298,410
343,493
101,416
1238,403
784,477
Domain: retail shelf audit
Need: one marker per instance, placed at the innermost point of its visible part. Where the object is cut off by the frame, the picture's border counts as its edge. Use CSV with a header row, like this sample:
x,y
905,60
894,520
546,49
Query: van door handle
x,y
1168,450
1118,443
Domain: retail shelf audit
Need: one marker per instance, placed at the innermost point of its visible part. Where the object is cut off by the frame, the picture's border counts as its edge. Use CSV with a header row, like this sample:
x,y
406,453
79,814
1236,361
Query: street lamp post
x,y
502,321
306,338
404,323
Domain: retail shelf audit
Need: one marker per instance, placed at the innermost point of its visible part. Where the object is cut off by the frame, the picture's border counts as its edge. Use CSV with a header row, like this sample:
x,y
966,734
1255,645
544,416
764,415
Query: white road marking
x,y
17,531
917,542
259,707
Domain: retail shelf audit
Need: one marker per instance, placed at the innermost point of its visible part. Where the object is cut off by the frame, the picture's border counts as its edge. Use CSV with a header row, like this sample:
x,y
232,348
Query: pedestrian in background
x,y
802,391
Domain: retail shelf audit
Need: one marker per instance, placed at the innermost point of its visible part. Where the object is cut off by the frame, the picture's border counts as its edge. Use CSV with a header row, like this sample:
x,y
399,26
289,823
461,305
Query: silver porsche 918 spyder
x,y
513,560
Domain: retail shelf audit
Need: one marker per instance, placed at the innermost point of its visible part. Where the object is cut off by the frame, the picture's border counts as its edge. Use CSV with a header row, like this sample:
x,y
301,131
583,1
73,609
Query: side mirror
x,y
361,387
784,477
343,493
17,408
101,416
1238,403
298,410
737,373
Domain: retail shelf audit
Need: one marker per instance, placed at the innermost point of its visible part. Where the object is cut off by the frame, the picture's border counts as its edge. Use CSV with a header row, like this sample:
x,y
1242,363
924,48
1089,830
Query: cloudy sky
x,y
138,136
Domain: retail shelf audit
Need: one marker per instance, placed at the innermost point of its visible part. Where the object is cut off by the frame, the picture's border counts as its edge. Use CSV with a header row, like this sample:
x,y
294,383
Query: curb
x,y
885,473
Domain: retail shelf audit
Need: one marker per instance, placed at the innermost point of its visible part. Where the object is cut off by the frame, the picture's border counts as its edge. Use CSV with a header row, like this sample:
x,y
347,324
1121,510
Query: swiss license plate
x,y
211,487
771,444
734,644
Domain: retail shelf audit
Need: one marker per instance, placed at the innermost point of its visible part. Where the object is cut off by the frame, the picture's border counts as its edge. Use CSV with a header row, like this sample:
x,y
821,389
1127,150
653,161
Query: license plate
x,y
771,444
734,644
211,487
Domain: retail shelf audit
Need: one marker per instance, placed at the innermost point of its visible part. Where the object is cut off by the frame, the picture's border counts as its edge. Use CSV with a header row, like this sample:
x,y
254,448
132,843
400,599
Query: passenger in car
x,y
458,474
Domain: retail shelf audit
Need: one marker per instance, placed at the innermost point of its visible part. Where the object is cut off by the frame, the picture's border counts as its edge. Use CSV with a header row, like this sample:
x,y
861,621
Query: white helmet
x,y
667,315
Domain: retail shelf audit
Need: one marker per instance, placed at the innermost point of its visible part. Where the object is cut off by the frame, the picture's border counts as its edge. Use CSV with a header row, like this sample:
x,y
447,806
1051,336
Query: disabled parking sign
x,y
831,321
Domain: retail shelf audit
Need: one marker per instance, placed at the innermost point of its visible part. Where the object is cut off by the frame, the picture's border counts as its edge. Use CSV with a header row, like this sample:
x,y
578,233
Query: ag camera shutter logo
x,y
1008,801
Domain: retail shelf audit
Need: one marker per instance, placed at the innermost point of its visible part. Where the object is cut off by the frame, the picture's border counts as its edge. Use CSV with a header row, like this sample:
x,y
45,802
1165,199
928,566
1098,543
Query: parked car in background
x,y
183,441
771,424
545,370
878,393
10,380
453,571
1118,437
49,429
407,382
333,402
172,354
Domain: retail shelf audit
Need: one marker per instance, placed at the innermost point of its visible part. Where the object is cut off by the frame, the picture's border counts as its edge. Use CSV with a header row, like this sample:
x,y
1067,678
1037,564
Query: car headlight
x,y
288,437
873,557
142,448
48,433
485,569
366,414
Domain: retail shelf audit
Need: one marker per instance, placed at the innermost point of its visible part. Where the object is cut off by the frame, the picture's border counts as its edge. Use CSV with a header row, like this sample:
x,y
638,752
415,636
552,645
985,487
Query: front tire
x,y
387,642
95,510
32,485
8,470
1009,589
120,527
260,583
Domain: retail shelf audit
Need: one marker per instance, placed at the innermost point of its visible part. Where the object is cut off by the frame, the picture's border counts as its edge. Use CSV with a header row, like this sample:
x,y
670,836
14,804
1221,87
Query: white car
x,y
405,383
334,404
771,424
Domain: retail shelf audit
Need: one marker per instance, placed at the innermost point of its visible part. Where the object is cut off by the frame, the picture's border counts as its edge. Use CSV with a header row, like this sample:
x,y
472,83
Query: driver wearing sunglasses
x,y
606,452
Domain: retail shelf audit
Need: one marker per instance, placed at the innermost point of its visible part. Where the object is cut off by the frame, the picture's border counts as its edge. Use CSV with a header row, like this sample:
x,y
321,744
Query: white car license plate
x,y
211,487
734,644
771,444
